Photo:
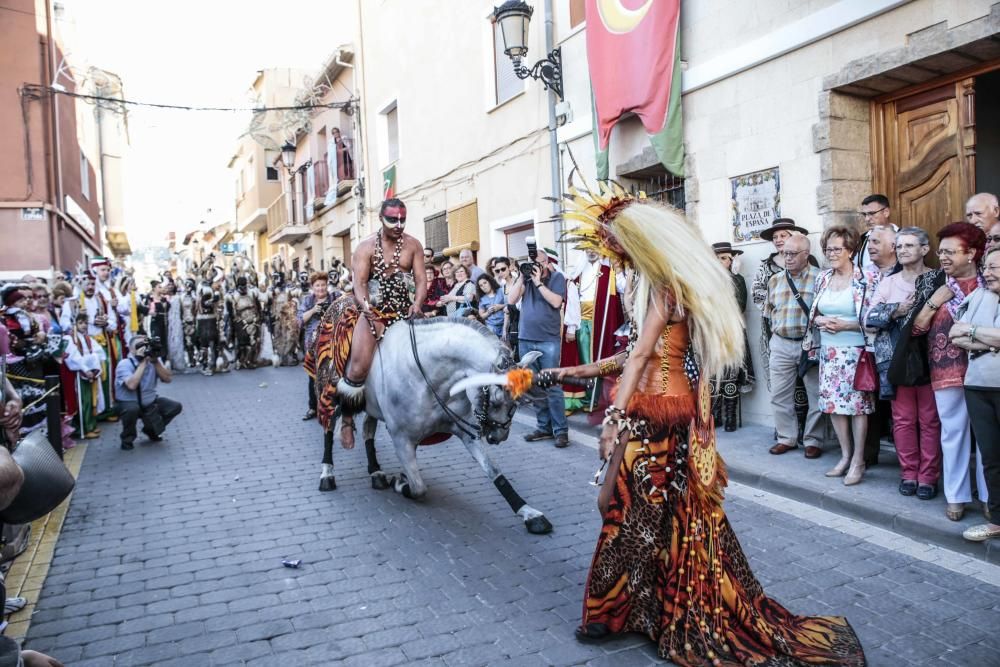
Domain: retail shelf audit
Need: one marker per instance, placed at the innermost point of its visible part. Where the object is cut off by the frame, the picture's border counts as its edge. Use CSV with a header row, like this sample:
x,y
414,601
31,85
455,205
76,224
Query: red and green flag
x,y
633,48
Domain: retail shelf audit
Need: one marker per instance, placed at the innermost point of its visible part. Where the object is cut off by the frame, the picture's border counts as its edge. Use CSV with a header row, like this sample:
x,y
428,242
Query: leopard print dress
x,y
667,563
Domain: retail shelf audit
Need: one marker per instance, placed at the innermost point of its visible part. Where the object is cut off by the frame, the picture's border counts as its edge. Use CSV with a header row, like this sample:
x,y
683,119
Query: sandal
x,y
955,511
980,533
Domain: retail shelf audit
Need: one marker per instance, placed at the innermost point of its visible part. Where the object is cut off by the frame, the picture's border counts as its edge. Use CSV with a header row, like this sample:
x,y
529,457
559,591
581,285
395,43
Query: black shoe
x,y
927,491
907,487
152,436
127,446
562,440
538,435
593,633
310,414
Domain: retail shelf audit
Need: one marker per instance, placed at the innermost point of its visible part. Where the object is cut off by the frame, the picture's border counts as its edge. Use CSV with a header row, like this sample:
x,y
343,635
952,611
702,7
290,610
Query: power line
x,y
182,107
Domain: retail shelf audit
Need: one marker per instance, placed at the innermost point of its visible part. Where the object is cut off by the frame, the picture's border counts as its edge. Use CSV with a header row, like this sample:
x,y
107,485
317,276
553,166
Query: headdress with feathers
x,y
667,253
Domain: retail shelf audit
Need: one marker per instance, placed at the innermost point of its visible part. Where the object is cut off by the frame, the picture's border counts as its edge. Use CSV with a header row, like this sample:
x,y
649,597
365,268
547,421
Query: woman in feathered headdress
x,y
667,563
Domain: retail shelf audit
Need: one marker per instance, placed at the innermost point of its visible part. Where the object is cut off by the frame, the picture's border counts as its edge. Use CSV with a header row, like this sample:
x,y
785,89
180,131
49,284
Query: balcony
x,y
279,229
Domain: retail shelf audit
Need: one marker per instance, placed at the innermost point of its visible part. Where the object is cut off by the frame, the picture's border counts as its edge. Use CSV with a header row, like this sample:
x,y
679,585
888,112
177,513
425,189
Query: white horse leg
x,y
410,483
534,521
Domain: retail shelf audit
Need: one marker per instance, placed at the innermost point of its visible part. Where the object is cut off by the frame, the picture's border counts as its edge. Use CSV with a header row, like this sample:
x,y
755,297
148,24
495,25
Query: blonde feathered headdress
x,y
669,256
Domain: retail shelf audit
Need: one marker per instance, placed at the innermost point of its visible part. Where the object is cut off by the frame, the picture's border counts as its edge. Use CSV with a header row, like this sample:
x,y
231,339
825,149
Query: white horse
x,y
408,389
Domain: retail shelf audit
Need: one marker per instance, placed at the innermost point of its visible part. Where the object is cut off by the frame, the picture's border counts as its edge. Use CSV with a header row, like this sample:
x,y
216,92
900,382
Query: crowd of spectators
x,y
879,337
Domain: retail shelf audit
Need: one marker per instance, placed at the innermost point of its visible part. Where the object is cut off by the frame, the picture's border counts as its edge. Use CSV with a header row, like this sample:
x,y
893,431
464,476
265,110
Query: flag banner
x,y
633,49
389,183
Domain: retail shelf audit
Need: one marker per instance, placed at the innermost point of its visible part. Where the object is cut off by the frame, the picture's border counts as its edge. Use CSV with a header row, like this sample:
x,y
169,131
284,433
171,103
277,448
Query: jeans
x,y
551,411
155,417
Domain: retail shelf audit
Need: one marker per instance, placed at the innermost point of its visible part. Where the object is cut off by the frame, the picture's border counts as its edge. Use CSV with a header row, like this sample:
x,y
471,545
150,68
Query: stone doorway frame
x,y
843,134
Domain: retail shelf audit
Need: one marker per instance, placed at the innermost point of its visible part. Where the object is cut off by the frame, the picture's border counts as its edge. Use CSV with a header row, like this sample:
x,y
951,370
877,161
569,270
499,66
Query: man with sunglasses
x,y
389,285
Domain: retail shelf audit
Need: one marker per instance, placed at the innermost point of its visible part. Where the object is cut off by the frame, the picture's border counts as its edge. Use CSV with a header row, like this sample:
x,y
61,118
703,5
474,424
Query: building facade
x,y
51,185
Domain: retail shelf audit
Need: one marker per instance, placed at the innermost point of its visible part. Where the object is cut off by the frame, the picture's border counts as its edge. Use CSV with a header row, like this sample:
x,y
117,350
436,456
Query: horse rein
x,y
464,425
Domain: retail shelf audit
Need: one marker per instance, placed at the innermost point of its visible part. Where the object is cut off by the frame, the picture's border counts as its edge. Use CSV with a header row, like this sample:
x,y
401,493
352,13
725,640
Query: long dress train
x,y
667,563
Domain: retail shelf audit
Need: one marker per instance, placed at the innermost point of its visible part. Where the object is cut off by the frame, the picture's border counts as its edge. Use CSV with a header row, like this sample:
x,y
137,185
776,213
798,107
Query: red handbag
x,y
866,376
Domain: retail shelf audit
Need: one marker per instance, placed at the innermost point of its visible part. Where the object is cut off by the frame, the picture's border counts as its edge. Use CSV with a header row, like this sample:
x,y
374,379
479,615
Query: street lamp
x,y
514,16
288,155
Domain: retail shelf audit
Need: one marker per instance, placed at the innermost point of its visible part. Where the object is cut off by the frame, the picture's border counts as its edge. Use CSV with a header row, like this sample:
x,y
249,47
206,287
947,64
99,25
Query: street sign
x,y
32,213
230,248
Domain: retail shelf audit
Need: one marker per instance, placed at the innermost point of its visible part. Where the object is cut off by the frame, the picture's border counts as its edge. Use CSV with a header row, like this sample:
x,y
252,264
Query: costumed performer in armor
x,y
246,316
283,318
189,321
726,389
386,291
102,326
85,358
667,563
208,301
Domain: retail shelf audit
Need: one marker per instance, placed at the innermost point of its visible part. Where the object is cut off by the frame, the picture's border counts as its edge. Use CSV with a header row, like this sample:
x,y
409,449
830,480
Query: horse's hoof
x,y
327,484
406,492
538,525
379,481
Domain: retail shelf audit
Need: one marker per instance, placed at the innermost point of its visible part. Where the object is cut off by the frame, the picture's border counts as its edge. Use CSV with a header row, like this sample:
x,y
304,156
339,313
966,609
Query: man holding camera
x,y
541,291
135,383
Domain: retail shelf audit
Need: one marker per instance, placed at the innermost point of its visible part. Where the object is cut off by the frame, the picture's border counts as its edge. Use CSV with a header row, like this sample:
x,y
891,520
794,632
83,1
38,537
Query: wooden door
x,y
924,152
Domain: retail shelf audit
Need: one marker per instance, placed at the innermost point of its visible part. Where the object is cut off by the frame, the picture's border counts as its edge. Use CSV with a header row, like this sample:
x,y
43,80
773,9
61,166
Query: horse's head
x,y
493,402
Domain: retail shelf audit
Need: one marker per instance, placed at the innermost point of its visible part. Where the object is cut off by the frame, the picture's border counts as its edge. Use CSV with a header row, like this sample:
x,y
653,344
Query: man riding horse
x,y
385,291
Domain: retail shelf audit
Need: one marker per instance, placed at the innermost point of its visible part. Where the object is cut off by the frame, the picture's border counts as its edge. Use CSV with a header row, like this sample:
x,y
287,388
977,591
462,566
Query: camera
x,y
526,268
152,348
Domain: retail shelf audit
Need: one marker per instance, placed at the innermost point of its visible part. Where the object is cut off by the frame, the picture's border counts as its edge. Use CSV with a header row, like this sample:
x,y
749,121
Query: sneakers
x,y
12,605
927,491
562,440
536,435
127,446
908,487
310,414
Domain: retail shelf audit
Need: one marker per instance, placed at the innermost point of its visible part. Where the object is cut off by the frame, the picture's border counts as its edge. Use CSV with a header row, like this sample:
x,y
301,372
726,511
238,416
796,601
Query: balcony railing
x,y
277,214
279,228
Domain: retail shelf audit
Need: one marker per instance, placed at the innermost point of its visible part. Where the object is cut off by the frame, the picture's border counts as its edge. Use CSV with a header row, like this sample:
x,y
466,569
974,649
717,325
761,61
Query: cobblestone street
x,y
171,554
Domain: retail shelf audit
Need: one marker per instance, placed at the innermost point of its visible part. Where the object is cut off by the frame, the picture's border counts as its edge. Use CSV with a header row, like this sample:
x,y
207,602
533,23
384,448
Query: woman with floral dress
x,y
842,297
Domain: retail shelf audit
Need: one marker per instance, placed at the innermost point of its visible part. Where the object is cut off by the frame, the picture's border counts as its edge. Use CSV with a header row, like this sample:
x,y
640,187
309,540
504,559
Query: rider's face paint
x,y
394,221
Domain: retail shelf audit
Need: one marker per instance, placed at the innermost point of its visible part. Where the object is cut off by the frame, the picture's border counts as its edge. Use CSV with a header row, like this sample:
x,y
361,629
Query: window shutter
x,y
507,83
463,224
392,132
577,12
436,232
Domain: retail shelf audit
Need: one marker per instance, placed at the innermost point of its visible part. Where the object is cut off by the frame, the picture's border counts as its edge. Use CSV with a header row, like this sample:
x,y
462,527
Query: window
x,y
436,232
84,176
577,14
507,83
392,133
271,174
517,240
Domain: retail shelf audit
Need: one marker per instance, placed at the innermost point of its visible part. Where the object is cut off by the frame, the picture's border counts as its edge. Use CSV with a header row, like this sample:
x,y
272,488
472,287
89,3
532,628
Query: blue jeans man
x,y
550,411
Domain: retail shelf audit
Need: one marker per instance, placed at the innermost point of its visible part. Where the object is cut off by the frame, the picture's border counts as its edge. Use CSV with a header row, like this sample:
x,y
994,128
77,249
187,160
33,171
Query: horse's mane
x,y
478,327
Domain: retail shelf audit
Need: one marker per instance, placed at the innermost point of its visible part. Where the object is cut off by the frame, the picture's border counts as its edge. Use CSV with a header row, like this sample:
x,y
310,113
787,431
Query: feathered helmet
x,y
592,214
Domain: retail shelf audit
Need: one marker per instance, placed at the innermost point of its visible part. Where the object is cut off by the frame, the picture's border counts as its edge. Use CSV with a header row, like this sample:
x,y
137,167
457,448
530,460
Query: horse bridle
x,y
480,411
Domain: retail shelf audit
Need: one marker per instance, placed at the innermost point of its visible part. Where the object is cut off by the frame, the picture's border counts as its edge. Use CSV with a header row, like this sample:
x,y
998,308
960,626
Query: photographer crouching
x,y
135,391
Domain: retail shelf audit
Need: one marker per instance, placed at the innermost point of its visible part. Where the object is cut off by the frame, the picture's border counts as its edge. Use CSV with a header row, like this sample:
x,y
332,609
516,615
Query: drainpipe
x,y
55,183
554,170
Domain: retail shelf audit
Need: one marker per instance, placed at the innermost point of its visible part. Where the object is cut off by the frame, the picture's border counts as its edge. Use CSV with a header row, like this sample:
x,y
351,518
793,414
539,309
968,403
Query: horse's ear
x,y
529,358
